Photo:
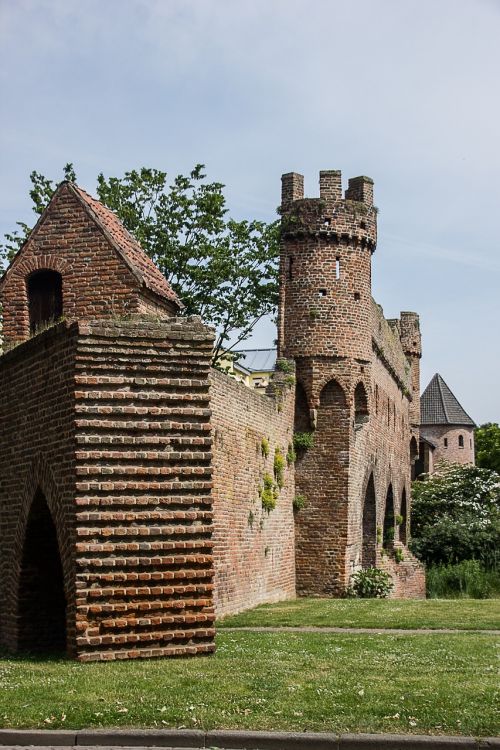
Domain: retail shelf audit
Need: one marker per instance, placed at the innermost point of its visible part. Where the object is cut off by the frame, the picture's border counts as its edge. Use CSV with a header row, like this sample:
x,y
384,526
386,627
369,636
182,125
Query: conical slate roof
x,y
438,405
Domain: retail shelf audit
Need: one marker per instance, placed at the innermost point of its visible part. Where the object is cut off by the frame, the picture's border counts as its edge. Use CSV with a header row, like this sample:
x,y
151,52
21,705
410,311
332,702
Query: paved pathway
x,y
107,739
372,631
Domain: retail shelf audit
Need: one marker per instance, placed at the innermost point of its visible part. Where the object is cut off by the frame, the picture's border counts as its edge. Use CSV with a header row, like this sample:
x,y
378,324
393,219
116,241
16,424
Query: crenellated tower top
x,y
325,284
351,216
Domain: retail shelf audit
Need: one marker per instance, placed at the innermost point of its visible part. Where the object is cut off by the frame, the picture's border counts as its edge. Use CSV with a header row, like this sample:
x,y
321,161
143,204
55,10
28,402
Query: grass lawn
x,y
463,614
438,684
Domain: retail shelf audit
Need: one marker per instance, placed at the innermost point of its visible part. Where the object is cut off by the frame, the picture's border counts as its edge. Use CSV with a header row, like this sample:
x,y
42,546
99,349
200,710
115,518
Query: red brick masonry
x,y
111,422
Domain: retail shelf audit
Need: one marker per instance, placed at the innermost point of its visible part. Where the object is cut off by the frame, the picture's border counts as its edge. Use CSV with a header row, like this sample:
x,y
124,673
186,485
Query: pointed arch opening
x,y
361,414
42,603
302,422
388,528
45,302
413,457
333,395
333,424
369,526
403,531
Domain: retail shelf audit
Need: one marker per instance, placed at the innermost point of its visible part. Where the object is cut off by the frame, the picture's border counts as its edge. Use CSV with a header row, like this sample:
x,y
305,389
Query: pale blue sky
x,y
406,91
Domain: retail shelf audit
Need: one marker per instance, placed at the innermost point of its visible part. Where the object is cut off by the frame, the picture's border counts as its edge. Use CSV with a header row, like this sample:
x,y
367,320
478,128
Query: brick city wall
x,y
452,452
254,556
380,450
115,430
96,281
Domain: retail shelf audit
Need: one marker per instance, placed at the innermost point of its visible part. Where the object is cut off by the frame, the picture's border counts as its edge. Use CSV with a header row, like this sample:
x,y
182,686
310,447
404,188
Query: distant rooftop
x,y
439,405
256,360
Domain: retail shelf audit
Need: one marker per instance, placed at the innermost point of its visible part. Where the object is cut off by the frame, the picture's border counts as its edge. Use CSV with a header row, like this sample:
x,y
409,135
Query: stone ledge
x,y
237,740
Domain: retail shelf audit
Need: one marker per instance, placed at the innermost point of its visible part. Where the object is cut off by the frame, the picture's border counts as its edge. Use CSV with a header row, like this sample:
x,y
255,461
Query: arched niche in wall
x,y
361,414
41,617
369,526
332,395
403,530
302,422
332,431
45,300
413,456
389,521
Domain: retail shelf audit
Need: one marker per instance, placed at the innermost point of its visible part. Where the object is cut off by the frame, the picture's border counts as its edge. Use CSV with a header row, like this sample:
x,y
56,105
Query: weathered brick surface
x,y
111,421
253,549
359,385
37,439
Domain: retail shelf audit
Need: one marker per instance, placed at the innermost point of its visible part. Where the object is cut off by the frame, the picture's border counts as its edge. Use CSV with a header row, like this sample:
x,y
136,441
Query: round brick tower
x,y
325,271
325,325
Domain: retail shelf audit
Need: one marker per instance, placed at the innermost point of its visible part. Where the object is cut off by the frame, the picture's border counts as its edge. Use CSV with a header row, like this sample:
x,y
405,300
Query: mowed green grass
x,y
462,614
436,684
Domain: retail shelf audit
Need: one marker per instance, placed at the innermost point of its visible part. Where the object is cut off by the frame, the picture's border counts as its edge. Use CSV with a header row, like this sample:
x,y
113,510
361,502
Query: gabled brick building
x,y
133,476
105,447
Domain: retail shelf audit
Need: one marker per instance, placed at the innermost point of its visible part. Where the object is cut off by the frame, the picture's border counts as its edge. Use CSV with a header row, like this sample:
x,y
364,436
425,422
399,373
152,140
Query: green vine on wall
x,y
268,493
303,440
279,467
264,447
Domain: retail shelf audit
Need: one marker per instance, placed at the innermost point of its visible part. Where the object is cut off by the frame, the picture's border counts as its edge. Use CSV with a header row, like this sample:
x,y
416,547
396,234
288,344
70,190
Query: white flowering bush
x,y
456,516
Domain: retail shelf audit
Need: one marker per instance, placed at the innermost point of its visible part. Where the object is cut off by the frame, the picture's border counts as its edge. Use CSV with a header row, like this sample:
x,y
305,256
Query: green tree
x,y
222,269
456,515
487,444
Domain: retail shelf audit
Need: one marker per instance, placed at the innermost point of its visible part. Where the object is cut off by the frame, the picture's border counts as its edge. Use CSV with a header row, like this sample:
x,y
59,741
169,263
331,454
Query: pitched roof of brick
x,y
127,246
438,405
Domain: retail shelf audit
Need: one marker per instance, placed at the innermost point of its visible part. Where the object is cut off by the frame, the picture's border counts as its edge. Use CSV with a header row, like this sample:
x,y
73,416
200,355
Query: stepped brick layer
x,y
138,517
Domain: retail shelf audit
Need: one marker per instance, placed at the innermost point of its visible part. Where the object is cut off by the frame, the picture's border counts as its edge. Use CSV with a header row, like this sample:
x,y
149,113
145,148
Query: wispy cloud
x,y
472,258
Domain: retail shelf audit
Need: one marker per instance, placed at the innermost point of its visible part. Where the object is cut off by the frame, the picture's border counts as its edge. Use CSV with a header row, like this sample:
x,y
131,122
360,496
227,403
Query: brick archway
x,y
403,512
39,479
361,409
369,525
41,614
302,422
389,519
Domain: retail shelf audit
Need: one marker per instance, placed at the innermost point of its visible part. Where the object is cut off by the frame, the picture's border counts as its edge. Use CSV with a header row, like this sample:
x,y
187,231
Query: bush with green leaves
x,y
299,502
456,516
268,493
264,447
279,467
464,579
370,583
487,444
303,440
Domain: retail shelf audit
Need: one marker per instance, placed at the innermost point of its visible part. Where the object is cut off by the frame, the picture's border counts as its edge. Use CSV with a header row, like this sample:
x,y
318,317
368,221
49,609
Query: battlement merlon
x,y
411,339
351,217
292,189
360,189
